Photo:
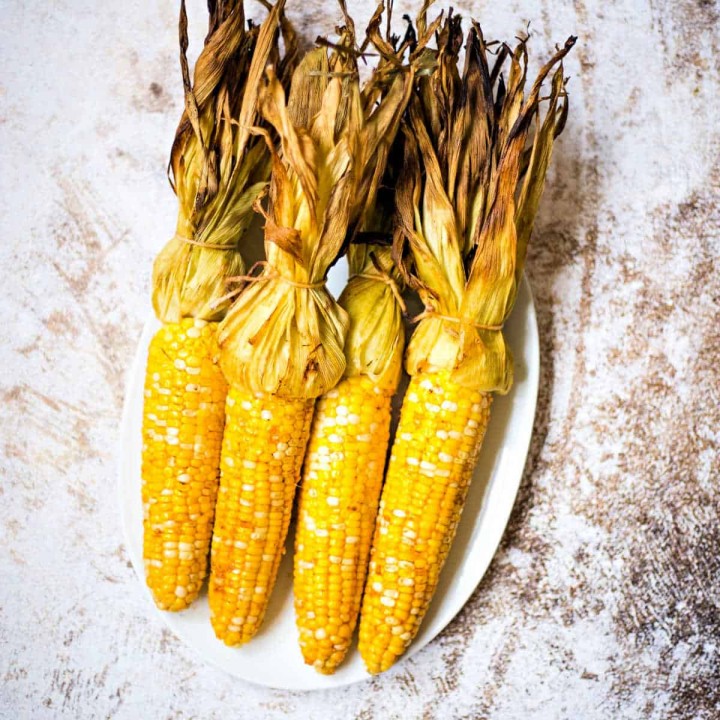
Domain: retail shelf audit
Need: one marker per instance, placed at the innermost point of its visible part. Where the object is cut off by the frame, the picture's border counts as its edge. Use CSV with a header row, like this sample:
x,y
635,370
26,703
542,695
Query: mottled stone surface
x,y
603,599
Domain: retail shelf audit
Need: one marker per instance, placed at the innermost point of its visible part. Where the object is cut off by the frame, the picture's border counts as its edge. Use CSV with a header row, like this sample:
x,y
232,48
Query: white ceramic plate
x,y
273,657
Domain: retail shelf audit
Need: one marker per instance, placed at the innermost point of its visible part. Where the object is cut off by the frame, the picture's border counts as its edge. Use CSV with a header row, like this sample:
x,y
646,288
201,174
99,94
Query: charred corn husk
x,y
472,179
218,170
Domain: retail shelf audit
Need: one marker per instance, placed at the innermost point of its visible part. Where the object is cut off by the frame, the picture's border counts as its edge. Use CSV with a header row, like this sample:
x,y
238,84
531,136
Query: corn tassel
x,y
340,491
262,454
441,429
182,432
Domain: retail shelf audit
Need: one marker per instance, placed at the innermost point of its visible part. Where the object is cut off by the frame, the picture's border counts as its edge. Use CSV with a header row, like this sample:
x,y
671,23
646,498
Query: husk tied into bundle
x,y
217,167
372,297
285,334
473,175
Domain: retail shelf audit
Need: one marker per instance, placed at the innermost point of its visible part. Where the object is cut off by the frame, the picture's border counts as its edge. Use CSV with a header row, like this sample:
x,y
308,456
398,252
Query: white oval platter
x,y
273,657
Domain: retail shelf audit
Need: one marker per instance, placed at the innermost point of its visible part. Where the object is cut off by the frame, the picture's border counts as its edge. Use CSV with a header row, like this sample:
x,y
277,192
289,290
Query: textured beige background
x,y
603,599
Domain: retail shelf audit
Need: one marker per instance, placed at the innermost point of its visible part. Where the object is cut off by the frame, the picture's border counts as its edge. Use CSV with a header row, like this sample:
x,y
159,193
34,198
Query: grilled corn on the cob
x,y
467,235
344,467
281,344
218,171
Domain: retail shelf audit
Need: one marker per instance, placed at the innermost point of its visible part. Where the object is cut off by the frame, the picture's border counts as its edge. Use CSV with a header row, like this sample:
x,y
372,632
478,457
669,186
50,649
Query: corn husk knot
x,y
217,168
376,339
474,170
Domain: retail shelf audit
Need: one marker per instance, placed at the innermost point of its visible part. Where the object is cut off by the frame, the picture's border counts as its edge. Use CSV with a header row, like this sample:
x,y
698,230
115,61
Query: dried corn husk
x,y
218,169
472,179
285,334
372,297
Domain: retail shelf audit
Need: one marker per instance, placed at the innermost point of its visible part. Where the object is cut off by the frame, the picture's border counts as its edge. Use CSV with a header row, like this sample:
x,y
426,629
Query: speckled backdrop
x,y
603,600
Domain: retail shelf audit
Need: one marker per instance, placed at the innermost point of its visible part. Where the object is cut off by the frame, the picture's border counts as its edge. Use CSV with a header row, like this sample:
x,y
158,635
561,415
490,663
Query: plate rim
x,y
324,682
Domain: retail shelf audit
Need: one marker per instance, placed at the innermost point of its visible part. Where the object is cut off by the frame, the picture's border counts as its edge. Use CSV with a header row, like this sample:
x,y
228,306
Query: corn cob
x,y
259,467
218,171
343,474
467,236
182,431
